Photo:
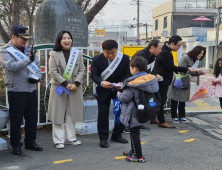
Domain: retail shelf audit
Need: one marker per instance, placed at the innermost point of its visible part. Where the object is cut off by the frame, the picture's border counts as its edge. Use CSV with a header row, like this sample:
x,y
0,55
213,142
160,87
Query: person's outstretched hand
x,y
32,54
192,69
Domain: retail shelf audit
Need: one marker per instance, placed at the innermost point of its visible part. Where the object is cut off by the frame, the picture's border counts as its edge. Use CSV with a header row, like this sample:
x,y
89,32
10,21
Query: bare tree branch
x,y
3,34
85,6
95,10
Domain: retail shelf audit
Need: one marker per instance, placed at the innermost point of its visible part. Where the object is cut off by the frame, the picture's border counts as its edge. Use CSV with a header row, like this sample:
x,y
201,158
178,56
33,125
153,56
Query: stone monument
x,y
54,16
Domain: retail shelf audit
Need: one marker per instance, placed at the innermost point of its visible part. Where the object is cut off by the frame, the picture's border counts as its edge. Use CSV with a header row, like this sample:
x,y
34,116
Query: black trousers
x,y
181,109
163,94
103,121
220,100
135,141
22,104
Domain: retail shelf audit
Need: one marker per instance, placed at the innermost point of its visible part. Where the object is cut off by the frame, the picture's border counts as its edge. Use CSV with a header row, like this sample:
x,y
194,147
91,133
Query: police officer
x,y
21,73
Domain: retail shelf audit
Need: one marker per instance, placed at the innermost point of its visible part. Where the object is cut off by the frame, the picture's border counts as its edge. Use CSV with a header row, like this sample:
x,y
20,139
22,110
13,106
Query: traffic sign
x,y
165,33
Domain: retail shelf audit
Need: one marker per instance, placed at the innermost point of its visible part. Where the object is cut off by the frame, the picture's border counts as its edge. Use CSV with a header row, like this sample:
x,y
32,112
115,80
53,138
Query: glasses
x,y
179,45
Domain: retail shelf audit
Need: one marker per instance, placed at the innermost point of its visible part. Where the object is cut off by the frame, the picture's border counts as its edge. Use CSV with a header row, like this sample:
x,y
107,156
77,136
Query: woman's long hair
x,y
58,46
196,51
217,68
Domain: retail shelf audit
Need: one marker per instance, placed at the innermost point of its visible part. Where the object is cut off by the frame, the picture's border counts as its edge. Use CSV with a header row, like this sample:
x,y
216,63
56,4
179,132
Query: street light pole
x,y
138,19
217,35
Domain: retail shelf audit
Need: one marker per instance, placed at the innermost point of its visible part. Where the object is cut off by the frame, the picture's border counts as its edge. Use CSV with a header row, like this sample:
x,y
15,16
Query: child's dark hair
x,y
217,68
140,63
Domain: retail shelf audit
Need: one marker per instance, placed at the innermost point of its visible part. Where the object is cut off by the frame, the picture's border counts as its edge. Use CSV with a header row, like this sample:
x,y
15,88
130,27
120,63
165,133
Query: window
x,y
156,24
165,22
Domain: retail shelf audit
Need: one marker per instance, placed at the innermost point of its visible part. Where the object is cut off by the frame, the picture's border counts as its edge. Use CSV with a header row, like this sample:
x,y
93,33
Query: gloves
x,y
33,81
33,78
32,54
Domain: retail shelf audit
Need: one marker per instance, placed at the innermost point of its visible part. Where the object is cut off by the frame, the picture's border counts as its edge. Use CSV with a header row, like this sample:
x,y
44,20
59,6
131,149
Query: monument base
x,y
3,145
90,127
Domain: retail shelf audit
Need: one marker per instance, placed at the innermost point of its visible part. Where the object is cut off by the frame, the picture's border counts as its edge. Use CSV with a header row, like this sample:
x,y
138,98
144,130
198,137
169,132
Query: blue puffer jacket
x,y
140,81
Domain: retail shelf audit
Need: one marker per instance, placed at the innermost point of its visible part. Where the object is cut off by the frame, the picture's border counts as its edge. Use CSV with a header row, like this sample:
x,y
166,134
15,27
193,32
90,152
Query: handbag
x,y
186,84
181,82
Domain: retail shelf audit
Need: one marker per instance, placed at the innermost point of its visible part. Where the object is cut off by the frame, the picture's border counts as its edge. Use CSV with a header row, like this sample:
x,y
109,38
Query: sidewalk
x,y
205,105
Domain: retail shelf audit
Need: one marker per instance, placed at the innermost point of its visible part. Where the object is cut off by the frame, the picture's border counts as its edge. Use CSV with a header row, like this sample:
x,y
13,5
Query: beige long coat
x,y
58,105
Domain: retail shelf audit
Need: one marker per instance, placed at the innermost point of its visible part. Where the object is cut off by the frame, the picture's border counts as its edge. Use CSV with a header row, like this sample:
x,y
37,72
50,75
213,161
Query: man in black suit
x,y
105,91
165,67
150,52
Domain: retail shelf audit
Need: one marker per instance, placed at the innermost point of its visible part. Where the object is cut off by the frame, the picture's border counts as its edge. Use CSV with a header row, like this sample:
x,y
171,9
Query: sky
x,y
118,10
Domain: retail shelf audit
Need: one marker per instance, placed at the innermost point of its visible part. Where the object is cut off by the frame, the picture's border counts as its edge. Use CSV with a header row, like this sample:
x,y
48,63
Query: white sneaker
x,y
59,145
183,120
175,120
220,126
76,142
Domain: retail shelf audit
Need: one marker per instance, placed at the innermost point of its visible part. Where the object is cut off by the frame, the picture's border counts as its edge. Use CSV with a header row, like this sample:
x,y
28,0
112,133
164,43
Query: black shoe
x,y
119,140
33,147
144,128
17,151
126,129
103,144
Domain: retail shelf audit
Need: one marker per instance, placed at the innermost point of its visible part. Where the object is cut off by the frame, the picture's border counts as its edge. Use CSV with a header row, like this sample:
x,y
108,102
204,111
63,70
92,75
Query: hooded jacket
x,y
140,81
16,72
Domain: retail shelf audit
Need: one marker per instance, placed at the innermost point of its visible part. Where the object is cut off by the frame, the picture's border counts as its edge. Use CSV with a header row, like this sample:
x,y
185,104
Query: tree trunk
x,y
15,12
95,10
3,34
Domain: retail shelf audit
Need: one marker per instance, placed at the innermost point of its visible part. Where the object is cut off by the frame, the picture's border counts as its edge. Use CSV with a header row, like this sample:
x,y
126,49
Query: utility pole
x,y
146,32
138,19
217,36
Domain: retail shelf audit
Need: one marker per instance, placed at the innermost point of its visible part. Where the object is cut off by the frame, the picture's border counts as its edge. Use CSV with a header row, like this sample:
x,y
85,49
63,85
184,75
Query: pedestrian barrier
x,y
43,55
91,110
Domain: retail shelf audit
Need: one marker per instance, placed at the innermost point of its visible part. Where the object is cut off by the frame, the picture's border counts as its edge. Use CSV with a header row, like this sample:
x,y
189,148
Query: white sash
x,y
196,64
112,67
20,56
151,65
71,64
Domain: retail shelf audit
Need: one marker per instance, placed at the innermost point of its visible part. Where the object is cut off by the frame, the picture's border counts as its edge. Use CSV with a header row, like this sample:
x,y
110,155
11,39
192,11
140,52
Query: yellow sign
x,y
131,50
100,32
175,57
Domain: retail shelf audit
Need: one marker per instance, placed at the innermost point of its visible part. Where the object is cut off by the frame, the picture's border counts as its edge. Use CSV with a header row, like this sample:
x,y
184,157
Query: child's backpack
x,y
151,102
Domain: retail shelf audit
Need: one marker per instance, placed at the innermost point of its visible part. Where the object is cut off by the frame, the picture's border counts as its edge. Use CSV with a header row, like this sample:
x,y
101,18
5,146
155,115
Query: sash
x,y
196,64
71,64
112,67
150,66
68,71
20,56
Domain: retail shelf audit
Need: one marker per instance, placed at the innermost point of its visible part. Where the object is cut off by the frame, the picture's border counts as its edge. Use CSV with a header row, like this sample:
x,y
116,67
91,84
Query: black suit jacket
x,y
122,72
145,53
164,66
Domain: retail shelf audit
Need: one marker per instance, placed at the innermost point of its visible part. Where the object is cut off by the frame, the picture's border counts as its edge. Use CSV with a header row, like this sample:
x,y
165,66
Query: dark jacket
x,y
145,53
164,66
122,72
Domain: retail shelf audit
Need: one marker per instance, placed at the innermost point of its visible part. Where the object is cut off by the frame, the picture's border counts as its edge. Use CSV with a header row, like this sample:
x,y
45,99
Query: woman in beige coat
x,y
66,108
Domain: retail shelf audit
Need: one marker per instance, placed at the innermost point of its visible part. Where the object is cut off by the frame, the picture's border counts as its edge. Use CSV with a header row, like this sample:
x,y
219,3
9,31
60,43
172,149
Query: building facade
x,y
176,14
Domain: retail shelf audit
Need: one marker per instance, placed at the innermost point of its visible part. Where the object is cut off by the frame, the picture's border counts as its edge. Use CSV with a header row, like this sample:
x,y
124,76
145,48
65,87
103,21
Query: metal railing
x,y
43,53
